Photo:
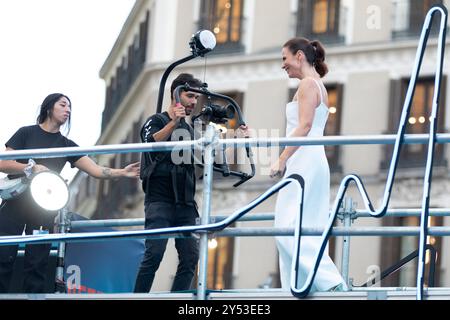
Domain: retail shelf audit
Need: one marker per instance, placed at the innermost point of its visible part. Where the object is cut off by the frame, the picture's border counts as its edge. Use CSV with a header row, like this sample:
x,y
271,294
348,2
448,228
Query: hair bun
x,y
318,50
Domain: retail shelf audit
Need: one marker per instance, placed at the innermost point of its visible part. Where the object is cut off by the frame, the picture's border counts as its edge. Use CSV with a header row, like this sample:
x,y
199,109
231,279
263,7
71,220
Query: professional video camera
x,y
216,113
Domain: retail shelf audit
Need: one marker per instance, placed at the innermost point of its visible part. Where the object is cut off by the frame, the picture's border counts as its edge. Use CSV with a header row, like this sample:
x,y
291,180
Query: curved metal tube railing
x,y
8,240
304,290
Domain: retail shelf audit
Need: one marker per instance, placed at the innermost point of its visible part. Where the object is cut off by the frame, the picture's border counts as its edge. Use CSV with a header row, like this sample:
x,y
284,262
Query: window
x,y
319,19
414,155
396,248
333,127
409,16
126,73
224,18
418,11
220,263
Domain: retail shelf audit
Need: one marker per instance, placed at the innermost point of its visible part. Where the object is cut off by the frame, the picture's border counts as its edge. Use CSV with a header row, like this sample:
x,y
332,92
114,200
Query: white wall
x,y
366,99
371,21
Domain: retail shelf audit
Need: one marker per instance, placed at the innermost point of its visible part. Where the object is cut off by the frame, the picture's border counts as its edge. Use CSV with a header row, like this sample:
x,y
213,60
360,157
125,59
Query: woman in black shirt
x,y
21,214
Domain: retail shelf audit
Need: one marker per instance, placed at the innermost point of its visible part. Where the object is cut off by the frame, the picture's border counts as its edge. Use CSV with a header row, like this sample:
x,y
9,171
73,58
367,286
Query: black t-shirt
x,y
160,184
34,137
23,209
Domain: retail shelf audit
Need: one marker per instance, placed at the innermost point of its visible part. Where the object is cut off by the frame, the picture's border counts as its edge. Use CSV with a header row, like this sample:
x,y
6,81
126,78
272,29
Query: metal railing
x,y
347,215
220,222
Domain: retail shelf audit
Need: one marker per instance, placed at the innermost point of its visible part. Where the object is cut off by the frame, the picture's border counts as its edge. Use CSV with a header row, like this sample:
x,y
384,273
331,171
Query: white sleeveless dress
x,y
311,163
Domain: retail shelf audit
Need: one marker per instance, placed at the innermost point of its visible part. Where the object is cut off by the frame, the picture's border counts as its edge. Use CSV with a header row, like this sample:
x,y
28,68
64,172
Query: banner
x,y
107,266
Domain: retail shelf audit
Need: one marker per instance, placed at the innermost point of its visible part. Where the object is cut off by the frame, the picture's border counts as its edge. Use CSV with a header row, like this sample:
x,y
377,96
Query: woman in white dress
x,y
306,116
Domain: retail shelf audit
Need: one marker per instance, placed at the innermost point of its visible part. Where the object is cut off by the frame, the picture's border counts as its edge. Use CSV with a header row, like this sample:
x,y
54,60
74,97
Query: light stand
x,y
201,43
51,192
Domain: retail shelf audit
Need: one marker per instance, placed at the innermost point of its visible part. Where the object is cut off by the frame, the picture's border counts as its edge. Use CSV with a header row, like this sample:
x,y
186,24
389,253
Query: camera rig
x,y
219,114
201,43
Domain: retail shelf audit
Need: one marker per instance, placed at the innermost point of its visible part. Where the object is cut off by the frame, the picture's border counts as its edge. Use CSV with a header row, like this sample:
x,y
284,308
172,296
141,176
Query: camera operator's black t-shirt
x,y
34,137
160,187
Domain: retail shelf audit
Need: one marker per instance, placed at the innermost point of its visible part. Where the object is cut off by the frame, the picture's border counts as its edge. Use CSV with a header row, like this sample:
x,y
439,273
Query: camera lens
x,y
217,113
230,111
223,112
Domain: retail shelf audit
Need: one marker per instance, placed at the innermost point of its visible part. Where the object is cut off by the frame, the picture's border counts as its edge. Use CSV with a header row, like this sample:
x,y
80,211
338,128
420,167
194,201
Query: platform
x,y
391,293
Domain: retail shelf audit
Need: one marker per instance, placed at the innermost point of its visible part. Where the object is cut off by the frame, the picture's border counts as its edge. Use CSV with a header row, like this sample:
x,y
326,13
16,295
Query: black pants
x,y
163,215
36,256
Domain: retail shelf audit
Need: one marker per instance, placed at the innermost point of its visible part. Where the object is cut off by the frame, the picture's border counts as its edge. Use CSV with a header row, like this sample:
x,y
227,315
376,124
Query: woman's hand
x,y
132,170
39,167
278,168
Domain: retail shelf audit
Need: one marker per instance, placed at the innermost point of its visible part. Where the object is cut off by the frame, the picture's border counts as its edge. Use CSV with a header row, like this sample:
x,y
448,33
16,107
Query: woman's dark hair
x,y
313,50
46,108
182,79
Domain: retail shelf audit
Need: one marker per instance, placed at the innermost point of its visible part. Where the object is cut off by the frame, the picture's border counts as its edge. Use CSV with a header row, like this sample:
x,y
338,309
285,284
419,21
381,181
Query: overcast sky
x,y
52,46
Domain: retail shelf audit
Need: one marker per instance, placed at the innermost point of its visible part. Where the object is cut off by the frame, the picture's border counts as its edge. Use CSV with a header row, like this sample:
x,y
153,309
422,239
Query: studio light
x,y
49,190
202,42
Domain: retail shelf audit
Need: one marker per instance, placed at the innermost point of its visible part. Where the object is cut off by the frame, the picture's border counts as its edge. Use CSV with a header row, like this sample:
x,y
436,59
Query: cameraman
x,y
169,189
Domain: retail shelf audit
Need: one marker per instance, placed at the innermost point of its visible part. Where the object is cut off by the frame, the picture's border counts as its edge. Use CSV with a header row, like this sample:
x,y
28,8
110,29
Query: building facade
x,y
371,48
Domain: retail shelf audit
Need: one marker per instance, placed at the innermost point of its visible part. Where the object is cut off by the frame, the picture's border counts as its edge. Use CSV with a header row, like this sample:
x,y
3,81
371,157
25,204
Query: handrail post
x,y
211,139
60,286
347,217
